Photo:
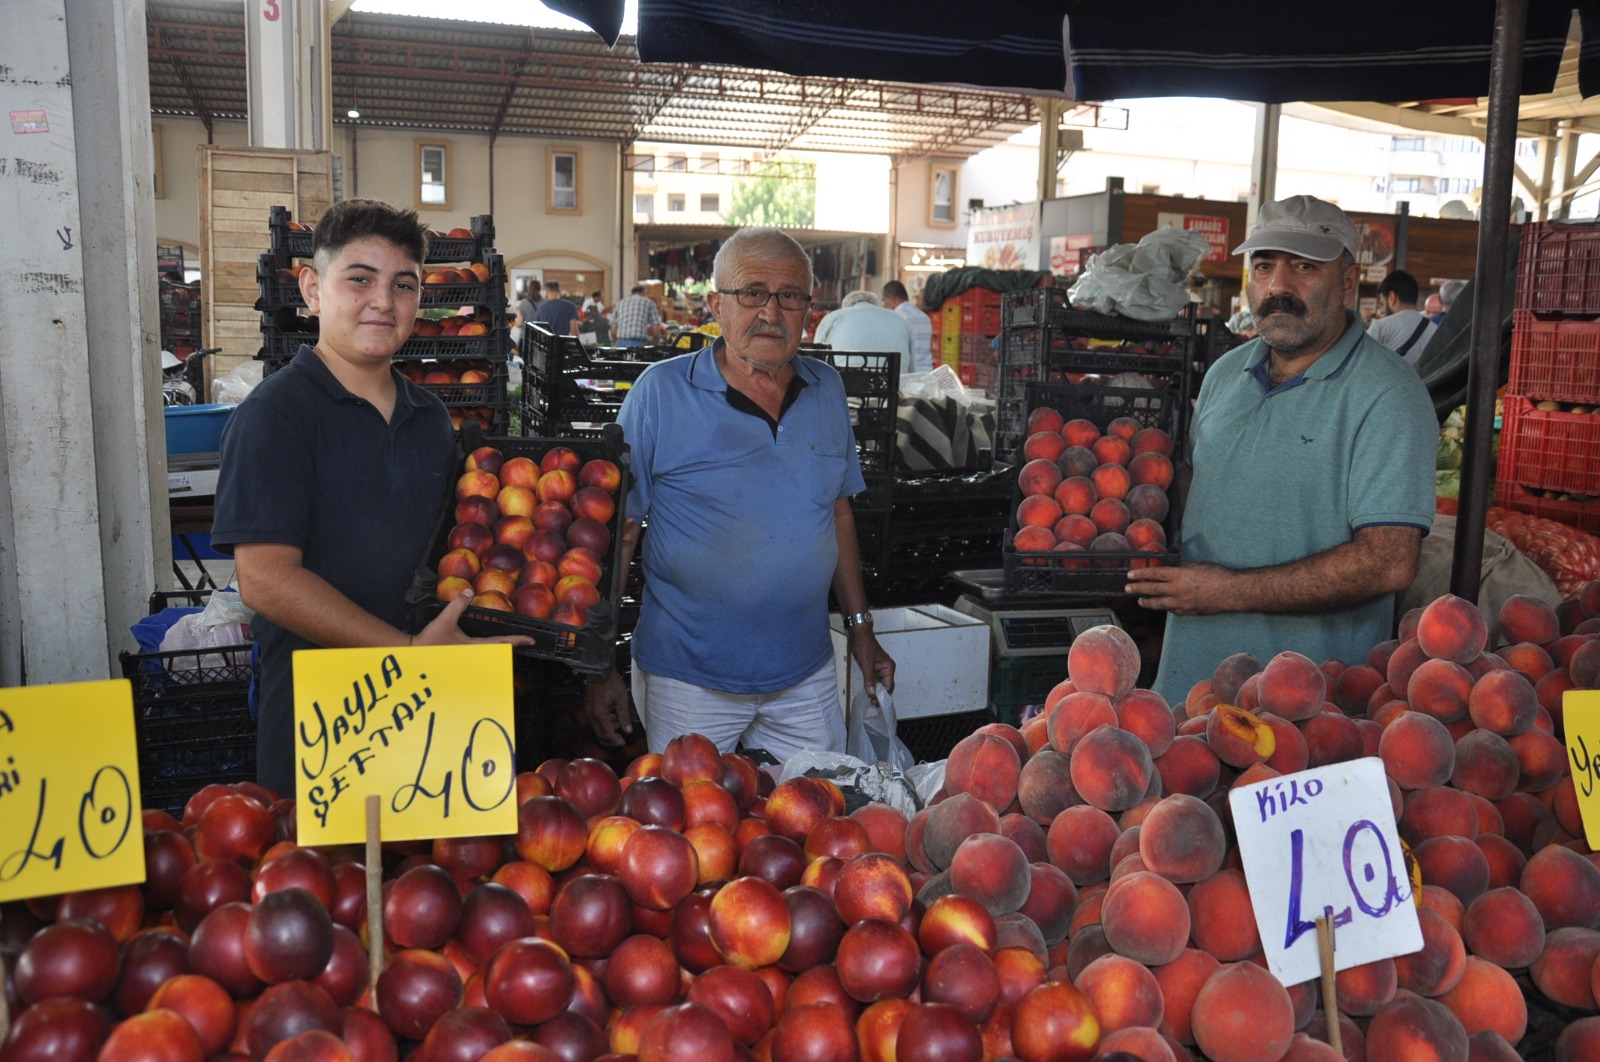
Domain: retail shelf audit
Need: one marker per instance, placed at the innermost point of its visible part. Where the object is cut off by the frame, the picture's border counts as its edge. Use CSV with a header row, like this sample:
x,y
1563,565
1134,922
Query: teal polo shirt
x,y
741,550
1283,473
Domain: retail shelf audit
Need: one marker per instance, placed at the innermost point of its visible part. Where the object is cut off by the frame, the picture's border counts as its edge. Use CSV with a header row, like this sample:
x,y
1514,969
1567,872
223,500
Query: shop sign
x,y
1004,237
1377,250
69,789
1580,714
1318,844
1213,228
1066,253
24,122
427,729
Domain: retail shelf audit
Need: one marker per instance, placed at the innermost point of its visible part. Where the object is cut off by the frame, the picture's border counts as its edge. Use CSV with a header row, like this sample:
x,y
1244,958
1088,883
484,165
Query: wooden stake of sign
x,y
1330,990
374,900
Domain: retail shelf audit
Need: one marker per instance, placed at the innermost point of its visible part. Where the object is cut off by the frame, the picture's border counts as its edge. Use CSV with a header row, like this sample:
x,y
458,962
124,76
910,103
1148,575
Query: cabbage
x,y
1449,454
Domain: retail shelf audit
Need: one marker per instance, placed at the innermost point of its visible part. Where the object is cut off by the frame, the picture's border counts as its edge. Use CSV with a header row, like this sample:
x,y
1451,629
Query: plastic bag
x,y
870,728
1146,280
862,782
235,386
942,382
223,624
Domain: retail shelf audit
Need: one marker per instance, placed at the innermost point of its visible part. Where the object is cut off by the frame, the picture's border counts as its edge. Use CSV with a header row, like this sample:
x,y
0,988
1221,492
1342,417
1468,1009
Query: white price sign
x,y
1321,843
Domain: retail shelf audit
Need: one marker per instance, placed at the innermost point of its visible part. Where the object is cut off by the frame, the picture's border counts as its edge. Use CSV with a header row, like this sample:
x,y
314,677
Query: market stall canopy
x,y
1260,50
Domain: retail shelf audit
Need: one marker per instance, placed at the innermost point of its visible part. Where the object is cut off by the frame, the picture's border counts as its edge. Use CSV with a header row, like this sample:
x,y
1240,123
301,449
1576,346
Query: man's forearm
x,y
1380,561
310,606
848,588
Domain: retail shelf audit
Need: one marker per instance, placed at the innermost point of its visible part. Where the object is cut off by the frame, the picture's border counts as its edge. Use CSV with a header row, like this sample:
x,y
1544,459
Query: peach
x,y
872,885
1452,628
1104,660
1503,702
1564,886
1578,1041
1222,919
964,977
1039,477
1075,530
1455,863
952,821
1406,658
1521,815
1505,860
1044,787
1230,675
1111,517
1188,766
1151,440
885,826
1412,1027
1292,686
986,766
1146,501
1038,510
1145,533
1077,461
1528,659
1112,483
954,919
1242,1014
1541,759
1438,966
1044,418
1080,841
1152,468
1052,900
1028,834
1075,715
1145,918
749,923
1111,768
1331,737
1584,664
1146,715
1486,765
1365,988
1180,981
1080,431
1527,619
1290,752
876,960
1564,969
1239,738
1502,926
1417,751
1076,495
1030,539
1043,446
1487,998
1111,450
1355,686
1125,993
1182,839
1441,689
1438,812
796,805
1054,1022
991,869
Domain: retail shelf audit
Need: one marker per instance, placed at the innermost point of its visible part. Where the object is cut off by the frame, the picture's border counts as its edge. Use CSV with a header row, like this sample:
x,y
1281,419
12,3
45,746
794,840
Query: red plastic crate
x,y
1558,270
1549,450
1556,359
1585,516
978,350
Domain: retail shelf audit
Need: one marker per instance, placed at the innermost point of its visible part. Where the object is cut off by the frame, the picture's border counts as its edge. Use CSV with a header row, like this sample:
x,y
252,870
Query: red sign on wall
x,y
1214,229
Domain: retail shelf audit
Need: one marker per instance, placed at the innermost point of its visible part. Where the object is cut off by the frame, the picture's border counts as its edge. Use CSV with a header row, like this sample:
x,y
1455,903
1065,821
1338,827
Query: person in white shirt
x,y
896,298
1403,328
861,323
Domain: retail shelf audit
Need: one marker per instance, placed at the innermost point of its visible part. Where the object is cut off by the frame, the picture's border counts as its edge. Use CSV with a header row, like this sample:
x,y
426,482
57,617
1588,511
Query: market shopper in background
x,y
861,323
1312,449
1403,328
744,462
556,313
1449,292
897,299
595,323
333,472
636,319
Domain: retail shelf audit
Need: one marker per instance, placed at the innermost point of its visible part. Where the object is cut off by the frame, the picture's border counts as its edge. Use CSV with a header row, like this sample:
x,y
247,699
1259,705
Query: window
x,y
433,169
642,163
644,208
710,203
942,194
675,203
1406,184
563,182
710,162
678,163
1409,143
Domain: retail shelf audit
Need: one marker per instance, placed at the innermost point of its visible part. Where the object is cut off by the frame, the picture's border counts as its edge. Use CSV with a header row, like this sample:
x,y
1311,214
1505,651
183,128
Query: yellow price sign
x,y
69,789
427,729
1580,715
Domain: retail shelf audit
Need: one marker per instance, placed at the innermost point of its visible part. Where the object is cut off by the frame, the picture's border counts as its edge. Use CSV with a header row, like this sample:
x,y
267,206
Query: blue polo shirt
x,y
740,550
1283,473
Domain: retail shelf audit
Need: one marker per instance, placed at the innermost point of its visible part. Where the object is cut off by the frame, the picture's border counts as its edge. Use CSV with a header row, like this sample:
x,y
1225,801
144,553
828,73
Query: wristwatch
x,y
856,618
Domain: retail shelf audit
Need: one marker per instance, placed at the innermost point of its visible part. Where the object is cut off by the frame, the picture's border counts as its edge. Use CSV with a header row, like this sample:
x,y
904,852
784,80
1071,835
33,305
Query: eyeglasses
x,y
755,298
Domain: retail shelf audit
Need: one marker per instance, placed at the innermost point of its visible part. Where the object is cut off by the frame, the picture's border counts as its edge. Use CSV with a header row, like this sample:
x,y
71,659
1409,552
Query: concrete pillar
x,y
1050,111
81,451
1264,162
289,73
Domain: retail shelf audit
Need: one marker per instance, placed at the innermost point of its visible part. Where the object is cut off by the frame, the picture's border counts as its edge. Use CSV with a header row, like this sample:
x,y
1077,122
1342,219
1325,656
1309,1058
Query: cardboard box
x,y
941,659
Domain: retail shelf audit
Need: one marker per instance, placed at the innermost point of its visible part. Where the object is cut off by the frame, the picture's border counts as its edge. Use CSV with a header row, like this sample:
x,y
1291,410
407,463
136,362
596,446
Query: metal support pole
x,y
1488,304
1264,165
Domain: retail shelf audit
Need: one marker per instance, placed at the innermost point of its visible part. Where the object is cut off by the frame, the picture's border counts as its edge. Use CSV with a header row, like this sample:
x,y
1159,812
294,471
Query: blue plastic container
x,y
196,429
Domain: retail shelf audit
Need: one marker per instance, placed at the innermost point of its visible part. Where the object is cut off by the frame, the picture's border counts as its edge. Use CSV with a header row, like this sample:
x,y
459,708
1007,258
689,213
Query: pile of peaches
x,y
531,536
1084,490
457,324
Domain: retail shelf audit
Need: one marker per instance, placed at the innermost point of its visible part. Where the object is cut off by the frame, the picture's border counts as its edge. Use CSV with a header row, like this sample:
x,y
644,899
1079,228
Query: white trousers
x,y
807,715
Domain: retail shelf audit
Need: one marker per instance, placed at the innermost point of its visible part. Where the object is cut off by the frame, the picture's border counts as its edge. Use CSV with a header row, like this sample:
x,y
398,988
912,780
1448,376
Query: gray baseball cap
x,y
1305,226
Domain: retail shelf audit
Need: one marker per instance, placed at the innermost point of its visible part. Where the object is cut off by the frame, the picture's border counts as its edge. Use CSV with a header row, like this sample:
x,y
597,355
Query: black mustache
x,y
1281,304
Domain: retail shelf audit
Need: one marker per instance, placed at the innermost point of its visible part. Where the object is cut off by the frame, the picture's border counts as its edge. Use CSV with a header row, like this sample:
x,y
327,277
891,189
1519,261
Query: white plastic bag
x,y
235,386
870,782
1146,280
223,624
940,383
870,728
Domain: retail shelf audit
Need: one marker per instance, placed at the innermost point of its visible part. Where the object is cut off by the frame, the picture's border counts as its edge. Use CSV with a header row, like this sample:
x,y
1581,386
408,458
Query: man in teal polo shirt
x,y
1312,450
744,463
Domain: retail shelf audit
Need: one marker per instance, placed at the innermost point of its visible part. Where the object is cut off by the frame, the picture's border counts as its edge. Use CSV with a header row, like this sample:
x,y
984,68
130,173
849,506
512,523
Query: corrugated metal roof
x,y
426,73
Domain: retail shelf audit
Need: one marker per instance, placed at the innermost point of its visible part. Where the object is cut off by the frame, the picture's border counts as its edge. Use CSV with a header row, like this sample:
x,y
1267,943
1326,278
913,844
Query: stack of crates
x,y
571,391
1550,435
463,357
963,332
180,318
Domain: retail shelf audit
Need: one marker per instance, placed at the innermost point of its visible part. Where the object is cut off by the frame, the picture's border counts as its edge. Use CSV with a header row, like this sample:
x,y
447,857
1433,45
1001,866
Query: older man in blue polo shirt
x,y
1312,449
744,463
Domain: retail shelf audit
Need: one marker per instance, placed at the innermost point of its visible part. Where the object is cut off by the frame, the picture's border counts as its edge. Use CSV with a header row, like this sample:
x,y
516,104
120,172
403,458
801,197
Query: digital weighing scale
x,y
1029,637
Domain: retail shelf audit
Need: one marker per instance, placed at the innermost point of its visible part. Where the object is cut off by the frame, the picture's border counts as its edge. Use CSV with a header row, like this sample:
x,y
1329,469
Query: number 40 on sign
x,y
1323,843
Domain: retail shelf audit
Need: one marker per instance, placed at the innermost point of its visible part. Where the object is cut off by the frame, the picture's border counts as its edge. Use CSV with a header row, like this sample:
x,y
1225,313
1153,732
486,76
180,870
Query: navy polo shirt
x,y
741,548
305,463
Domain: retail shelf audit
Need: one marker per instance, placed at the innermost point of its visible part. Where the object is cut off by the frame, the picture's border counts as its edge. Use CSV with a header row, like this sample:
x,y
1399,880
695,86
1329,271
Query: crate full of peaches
x,y
533,529
1091,500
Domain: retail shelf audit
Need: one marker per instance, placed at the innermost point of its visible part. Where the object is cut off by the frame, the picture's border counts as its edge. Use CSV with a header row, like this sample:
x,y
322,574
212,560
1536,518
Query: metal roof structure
x,y
440,74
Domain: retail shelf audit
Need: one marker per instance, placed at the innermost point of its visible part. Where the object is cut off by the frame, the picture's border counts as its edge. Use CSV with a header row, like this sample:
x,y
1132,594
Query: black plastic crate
x,y
588,648
1165,406
930,738
1033,307
1060,351
280,291
289,242
191,717
1096,574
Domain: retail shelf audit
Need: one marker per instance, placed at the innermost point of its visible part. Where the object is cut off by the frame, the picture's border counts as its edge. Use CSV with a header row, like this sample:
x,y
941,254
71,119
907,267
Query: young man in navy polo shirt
x,y
333,471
